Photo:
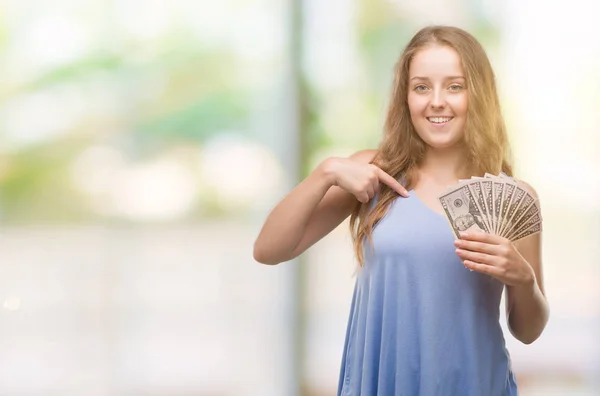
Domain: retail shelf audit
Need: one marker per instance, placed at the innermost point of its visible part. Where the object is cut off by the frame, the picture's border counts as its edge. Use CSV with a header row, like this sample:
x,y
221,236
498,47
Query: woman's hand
x,y
359,179
496,256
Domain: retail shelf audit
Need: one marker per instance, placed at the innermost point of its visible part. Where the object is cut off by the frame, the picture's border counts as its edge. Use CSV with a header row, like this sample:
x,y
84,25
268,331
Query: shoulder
x,y
365,156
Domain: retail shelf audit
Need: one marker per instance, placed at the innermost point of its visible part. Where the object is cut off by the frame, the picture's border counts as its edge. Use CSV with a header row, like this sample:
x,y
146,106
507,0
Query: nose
x,y
438,100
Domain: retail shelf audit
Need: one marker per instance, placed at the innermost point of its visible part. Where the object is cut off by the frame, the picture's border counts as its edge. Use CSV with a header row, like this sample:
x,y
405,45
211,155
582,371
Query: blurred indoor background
x,y
143,142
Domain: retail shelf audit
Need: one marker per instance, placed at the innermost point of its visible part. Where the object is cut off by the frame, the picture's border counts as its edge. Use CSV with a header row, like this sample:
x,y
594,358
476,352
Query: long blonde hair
x,y
401,150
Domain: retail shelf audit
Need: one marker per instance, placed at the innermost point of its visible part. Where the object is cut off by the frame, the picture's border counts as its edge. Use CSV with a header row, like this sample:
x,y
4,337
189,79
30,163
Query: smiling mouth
x,y
439,120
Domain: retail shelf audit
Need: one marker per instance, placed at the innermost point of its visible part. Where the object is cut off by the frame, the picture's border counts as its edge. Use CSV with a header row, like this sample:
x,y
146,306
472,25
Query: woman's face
x,y
437,96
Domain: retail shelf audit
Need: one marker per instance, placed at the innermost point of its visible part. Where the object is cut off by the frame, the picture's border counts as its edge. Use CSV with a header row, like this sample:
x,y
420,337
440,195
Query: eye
x,y
455,87
420,88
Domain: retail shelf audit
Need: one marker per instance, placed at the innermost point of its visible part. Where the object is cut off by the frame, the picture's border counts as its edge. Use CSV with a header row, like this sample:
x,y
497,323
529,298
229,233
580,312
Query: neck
x,y
445,166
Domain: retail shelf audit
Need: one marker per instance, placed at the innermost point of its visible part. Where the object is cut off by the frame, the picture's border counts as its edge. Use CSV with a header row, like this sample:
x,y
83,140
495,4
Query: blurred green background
x,y
142,144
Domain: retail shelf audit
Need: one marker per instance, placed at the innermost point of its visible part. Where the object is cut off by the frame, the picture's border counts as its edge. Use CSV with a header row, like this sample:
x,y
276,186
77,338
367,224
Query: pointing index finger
x,y
393,183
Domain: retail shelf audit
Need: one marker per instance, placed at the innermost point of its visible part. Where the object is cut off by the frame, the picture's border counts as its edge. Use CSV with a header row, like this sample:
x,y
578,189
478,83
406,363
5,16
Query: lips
x,y
439,120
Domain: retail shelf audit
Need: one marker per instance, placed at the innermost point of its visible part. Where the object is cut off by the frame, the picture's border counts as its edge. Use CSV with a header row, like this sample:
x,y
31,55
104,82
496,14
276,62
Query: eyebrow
x,y
447,78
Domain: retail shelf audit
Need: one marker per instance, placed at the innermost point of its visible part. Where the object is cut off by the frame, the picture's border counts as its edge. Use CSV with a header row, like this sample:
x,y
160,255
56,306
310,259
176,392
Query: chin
x,y
442,144
441,140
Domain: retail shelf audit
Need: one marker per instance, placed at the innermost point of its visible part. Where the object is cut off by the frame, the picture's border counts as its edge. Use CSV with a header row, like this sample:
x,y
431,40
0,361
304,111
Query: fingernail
x,y
464,234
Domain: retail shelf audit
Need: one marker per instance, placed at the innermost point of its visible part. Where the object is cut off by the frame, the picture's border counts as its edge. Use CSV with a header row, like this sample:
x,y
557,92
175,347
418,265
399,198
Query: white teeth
x,y
439,120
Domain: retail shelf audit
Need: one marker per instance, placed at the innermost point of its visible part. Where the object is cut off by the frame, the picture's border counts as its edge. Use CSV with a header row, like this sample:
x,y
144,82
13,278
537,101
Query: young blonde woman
x,y
425,312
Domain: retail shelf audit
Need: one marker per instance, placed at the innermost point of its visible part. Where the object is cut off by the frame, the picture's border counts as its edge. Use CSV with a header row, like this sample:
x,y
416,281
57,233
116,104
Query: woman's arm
x,y
309,212
519,266
526,305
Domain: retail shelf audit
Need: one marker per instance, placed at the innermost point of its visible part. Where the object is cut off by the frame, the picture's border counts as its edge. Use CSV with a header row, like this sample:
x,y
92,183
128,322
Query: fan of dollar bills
x,y
499,205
